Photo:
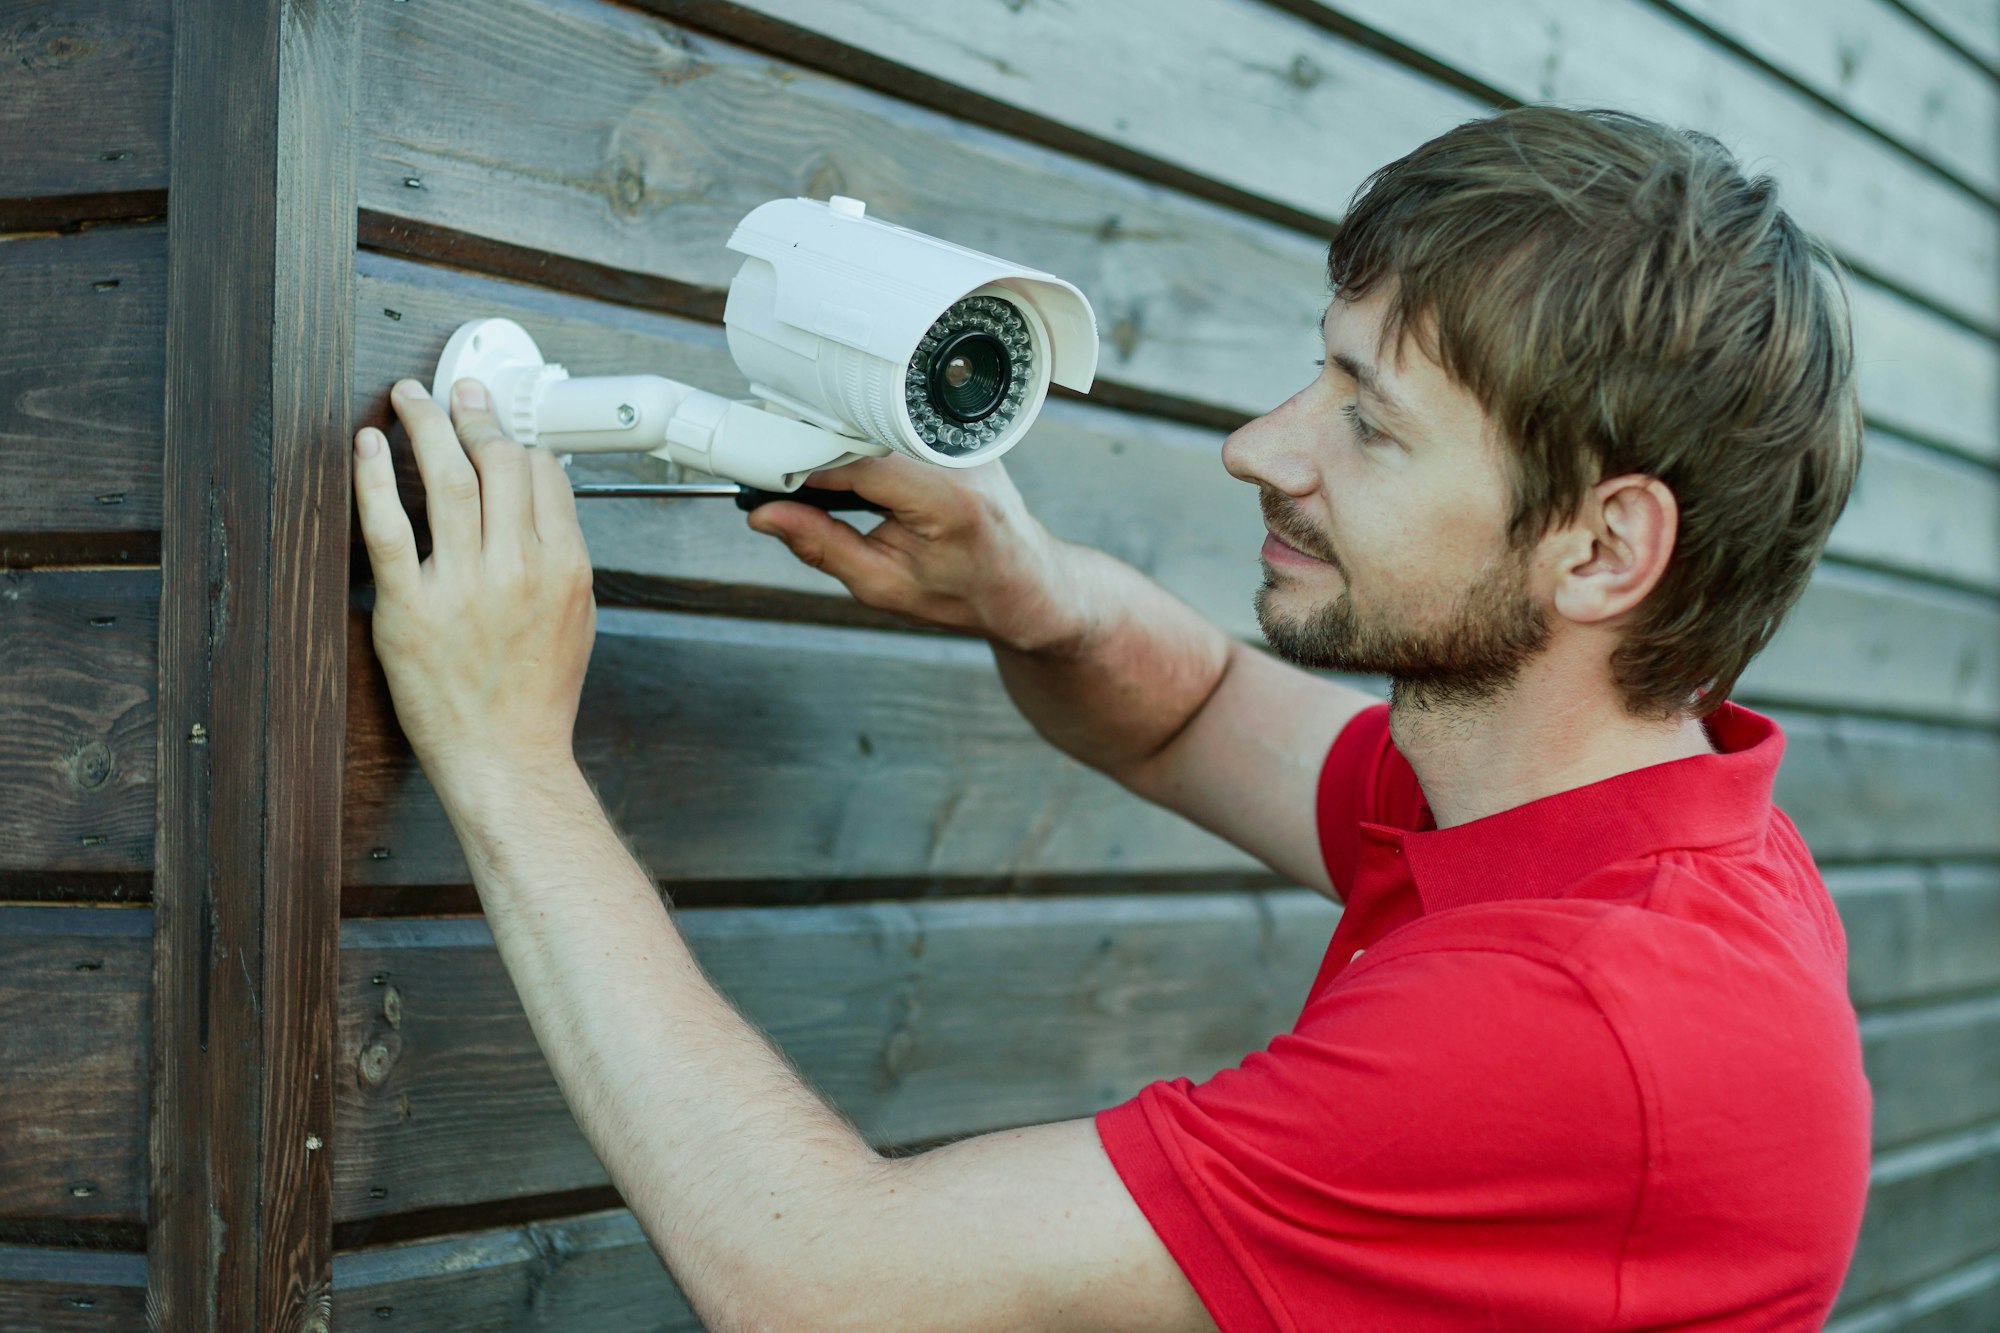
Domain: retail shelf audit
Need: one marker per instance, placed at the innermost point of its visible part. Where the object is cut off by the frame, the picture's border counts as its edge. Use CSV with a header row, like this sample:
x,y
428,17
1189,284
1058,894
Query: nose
x,y
1274,451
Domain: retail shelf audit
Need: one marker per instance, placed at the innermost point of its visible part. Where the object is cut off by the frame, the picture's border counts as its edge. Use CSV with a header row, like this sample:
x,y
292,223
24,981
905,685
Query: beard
x,y
1464,659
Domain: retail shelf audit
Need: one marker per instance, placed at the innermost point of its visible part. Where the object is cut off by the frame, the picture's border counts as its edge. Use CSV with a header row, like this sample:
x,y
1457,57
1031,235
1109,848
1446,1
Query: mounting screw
x,y
414,182
197,734
627,414
313,1144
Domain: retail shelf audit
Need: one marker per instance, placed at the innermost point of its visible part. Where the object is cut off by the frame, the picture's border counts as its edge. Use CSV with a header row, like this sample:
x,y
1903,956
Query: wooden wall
x,y
951,927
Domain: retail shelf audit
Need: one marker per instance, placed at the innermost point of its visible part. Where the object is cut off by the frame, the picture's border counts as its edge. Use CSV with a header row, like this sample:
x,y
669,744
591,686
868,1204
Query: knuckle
x,y
461,486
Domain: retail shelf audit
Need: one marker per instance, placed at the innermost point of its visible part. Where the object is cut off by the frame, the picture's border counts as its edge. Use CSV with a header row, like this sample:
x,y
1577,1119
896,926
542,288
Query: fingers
x,y
822,541
451,485
507,505
898,482
555,504
385,528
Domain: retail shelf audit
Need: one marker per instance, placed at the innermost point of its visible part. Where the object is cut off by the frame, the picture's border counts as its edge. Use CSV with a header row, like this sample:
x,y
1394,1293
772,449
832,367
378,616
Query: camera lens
x,y
970,375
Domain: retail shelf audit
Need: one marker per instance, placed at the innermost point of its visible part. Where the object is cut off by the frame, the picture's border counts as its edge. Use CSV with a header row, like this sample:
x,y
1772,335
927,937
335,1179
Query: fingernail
x,y
368,443
409,389
470,393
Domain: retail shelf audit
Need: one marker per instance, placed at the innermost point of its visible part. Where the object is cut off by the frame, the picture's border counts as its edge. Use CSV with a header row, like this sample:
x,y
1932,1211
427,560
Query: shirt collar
x,y
1538,849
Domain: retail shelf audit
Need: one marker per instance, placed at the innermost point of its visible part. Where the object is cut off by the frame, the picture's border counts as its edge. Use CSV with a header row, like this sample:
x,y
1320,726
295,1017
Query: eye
x,y
1363,432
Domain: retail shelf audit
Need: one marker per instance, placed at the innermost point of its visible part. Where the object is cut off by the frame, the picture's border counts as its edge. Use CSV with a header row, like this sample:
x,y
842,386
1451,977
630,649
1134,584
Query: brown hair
x,y
1621,298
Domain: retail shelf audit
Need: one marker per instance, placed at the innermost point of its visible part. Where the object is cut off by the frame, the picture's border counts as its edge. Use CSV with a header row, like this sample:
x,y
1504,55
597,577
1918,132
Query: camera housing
x,y
907,341
858,337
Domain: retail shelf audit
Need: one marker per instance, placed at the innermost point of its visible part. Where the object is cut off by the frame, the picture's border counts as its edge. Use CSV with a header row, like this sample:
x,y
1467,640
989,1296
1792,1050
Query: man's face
x,y
1384,490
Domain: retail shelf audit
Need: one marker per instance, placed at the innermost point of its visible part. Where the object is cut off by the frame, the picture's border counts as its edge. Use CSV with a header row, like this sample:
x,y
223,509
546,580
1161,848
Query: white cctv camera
x,y
858,337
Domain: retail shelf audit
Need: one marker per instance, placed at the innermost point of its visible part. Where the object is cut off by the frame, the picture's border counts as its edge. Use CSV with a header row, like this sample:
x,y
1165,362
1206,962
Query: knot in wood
x,y
90,766
377,1059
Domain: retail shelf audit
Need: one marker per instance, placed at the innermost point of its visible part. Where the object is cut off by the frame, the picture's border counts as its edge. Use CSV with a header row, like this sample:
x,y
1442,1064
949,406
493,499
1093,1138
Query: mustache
x,y
1291,527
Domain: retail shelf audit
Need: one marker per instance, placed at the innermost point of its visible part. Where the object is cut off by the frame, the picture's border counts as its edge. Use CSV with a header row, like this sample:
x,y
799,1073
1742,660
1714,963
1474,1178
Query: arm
x,y
1108,666
768,1207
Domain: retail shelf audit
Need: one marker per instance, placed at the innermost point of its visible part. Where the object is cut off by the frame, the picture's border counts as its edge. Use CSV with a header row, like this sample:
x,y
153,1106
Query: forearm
x,y
731,1164
1126,676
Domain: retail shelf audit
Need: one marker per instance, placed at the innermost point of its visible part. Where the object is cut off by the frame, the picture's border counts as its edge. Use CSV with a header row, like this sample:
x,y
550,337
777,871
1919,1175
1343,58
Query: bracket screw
x,y
627,414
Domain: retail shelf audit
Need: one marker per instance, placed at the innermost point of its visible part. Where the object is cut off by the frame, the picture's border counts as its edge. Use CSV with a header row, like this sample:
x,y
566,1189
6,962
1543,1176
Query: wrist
x,y
489,796
1050,613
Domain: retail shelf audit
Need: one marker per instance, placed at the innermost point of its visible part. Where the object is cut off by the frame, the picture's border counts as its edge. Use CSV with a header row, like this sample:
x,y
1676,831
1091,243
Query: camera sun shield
x,y
906,341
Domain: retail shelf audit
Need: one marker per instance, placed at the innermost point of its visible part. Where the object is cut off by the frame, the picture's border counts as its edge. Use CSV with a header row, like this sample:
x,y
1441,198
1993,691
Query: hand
x,y
486,642
960,550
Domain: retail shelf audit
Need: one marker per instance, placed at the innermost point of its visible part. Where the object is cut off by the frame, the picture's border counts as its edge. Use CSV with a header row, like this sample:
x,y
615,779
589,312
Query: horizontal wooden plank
x,y
1934,1069
1888,215
1881,643
46,1290
1970,25
790,721
593,1272
86,104
75,984
1924,513
1965,1300
82,394
1919,931
1866,790
1919,376
1877,64
793,720
824,753
598,1271
1931,1208
918,1020
78,659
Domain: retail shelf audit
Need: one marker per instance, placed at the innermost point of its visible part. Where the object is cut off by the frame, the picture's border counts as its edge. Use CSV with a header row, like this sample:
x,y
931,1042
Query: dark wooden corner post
x,y
253,560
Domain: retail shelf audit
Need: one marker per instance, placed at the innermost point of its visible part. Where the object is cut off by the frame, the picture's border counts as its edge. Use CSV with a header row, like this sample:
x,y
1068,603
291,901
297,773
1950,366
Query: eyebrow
x,y
1362,373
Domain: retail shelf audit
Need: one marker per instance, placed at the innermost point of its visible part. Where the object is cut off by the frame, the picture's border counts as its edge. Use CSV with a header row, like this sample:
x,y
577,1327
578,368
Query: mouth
x,y
1278,552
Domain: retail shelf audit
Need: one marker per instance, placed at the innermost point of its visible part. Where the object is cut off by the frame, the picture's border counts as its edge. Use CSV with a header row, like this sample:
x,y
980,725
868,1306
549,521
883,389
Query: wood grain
x,y
78,659
789,722
923,1020
82,374
86,104
254,546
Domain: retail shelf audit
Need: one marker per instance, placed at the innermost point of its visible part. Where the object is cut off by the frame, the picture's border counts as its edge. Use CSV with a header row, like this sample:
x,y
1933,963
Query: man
x,y
1580,1055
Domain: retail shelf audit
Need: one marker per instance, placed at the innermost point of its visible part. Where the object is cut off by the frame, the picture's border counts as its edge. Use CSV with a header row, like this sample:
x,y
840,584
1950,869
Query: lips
x,y
1279,552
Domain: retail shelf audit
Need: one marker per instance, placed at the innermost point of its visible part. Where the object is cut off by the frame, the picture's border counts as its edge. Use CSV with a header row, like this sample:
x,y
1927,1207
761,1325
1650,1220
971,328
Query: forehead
x,y
1398,380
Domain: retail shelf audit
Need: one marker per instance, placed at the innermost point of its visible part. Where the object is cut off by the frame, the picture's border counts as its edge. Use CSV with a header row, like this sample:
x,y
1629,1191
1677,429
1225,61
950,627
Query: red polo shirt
x,y
1596,1069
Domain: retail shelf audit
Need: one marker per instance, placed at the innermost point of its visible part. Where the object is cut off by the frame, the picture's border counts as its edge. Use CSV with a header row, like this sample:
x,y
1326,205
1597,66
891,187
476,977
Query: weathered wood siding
x,y
951,927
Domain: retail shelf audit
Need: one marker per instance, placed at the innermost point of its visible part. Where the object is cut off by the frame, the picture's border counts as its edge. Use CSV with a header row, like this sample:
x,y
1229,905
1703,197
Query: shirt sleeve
x,y
1406,1158
1365,778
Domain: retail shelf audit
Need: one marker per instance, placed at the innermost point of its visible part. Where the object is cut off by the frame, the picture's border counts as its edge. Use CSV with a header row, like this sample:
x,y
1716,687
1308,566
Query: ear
x,y
1616,549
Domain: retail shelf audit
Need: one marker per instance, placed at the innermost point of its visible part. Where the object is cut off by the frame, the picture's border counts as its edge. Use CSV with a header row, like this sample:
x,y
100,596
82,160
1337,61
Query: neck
x,y
1538,737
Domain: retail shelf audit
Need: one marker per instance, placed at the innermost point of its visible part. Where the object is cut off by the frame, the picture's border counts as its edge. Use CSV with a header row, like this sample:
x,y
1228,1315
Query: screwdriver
x,y
747,497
